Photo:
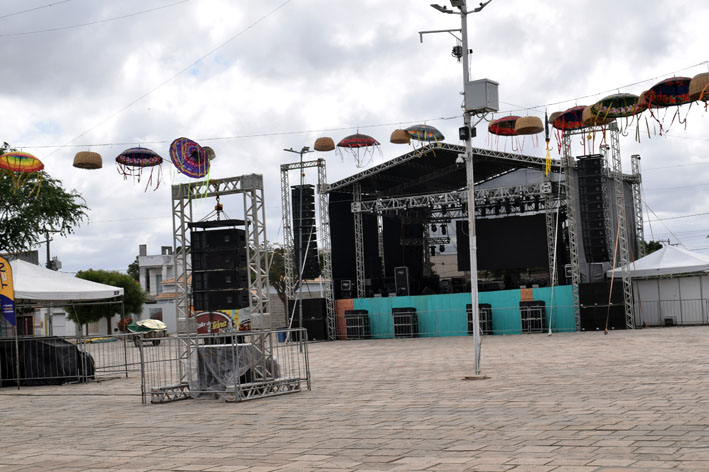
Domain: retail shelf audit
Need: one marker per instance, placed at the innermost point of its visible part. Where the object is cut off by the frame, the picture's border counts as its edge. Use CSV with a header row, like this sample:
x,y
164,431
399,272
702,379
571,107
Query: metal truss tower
x,y
623,259
638,206
251,187
568,165
325,248
359,241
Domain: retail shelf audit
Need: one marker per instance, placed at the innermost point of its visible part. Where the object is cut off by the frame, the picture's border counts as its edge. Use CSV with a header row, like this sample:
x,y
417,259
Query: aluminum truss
x,y
552,207
638,206
568,165
325,249
621,227
359,242
251,187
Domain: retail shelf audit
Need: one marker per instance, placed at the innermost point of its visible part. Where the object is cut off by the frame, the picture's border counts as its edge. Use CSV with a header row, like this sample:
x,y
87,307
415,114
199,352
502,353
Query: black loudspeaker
x,y
304,232
406,324
533,316
594,307
484,316
219,278
463,243
346,289
314,317
357,324
401,281
593,202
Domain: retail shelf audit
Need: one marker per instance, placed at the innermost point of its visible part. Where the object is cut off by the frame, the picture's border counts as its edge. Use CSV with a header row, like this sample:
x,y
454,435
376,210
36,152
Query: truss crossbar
x,y
430,241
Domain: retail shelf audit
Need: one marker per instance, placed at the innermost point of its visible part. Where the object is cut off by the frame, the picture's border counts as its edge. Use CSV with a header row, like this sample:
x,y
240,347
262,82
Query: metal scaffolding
x,y
623,259
325,245
638,206
568,166
251,187
359,242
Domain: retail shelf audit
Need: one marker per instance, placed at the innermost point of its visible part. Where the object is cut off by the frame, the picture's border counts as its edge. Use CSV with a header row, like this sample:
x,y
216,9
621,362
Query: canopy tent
x,y
669,260
33,282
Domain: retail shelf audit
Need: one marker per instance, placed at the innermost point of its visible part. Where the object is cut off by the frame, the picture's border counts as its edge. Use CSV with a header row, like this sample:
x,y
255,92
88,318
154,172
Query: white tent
x,y
669,260
33,282
670,286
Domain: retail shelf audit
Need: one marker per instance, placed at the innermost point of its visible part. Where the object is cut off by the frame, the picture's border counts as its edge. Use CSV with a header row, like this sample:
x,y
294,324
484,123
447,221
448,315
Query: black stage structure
x,y
382,219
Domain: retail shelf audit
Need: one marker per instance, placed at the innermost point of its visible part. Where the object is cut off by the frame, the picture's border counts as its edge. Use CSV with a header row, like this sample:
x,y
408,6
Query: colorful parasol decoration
x,y
189,158
20,166
569,120
360,146
505,126
619,105
667,93
324,144
590,118
425,133
132,161
88,160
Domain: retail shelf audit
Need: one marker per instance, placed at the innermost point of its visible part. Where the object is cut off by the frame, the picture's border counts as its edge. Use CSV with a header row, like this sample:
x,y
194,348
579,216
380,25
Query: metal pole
x,y
300,245
471,198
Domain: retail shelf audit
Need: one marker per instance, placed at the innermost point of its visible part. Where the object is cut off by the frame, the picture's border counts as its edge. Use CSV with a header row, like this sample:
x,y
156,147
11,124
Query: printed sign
x,y
7,292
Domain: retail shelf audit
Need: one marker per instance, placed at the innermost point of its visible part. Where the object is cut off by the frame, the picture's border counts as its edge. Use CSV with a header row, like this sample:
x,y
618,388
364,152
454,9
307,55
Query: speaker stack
x,y
305,235
314,317
401,281
593,202
219,265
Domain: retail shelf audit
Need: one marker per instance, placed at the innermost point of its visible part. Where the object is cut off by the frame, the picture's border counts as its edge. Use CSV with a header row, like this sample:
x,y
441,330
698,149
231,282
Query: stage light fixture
x,y
441,248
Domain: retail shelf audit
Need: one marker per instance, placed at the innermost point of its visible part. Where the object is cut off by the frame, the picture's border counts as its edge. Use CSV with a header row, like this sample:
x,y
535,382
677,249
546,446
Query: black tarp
x,y
43,361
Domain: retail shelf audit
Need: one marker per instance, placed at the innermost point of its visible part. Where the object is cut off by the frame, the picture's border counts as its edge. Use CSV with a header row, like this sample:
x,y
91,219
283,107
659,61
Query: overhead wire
x,y
8,15
81,25
172,77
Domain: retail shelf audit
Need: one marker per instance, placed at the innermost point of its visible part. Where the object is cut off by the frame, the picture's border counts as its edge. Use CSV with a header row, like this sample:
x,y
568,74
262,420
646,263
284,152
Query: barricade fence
x,y
54,360
672,312
230,367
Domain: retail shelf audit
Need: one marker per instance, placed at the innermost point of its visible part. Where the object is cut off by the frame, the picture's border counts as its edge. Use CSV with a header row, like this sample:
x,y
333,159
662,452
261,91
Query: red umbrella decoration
x,y
189,158
20,166
667,93
132,161
360,146
505,126
568,120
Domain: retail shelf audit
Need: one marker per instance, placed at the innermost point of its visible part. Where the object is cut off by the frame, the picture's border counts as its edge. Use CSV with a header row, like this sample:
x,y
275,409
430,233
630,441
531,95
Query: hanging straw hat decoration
x,y
88,160
699,87
400,136
324,144
527,125
590,118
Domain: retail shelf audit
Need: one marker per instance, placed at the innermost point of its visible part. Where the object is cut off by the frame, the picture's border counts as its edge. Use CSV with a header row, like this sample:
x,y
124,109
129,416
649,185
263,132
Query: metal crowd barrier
x,y
232,367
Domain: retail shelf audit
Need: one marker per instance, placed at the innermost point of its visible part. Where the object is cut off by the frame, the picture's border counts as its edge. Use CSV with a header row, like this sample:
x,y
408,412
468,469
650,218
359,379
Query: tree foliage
x,y
40,205
133,297
652,246
134,270
277,274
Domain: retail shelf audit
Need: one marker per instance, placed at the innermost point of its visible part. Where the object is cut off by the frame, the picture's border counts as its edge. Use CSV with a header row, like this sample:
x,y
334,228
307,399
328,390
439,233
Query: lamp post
x,y
466,135
299,301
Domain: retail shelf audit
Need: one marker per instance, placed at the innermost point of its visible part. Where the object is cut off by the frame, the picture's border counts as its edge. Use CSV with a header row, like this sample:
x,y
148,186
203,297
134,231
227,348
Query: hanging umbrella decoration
x,y
699,88
189,158
423,135
505,126
132,161
360,146
672,92
20,167
568,120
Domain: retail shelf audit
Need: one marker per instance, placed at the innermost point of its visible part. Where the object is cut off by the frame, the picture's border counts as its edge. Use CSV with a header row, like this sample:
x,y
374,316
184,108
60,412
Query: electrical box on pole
x,y
481,96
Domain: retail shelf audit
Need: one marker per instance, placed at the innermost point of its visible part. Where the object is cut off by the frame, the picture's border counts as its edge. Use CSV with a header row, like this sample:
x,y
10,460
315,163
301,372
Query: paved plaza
x,y
577,402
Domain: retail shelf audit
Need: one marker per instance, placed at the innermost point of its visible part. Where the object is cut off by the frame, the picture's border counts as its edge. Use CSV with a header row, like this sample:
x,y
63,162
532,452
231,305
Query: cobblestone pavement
x,y
631,401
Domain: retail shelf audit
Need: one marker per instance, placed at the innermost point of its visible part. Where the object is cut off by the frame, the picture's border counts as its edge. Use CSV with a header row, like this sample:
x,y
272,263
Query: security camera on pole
x,y
480,98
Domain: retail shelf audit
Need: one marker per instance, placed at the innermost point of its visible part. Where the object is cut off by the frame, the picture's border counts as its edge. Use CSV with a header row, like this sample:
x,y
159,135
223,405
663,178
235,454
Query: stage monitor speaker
x,y
401,281
313,308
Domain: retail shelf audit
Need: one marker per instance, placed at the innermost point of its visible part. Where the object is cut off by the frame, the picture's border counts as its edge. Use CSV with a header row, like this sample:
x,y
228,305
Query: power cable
x,y
171,78
61,28
34,9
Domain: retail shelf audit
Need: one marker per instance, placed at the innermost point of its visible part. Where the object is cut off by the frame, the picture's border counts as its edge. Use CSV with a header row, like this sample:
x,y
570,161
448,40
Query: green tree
x,y
652,246
133,297
277,275
40,205
134,270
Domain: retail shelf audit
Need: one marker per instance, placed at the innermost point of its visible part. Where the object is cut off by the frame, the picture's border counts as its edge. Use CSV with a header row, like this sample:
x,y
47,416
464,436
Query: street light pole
x,y
470,181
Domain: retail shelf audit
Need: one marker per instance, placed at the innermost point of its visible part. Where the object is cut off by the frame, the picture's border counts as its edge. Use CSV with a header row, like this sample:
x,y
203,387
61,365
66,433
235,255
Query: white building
x,y
157,279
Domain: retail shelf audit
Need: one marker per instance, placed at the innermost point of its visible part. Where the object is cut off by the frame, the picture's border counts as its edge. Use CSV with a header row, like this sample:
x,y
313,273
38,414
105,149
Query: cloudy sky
x,y
251,78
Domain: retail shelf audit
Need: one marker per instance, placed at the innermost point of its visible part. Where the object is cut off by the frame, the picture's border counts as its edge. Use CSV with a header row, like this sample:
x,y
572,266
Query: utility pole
x,y
299,301
466,134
